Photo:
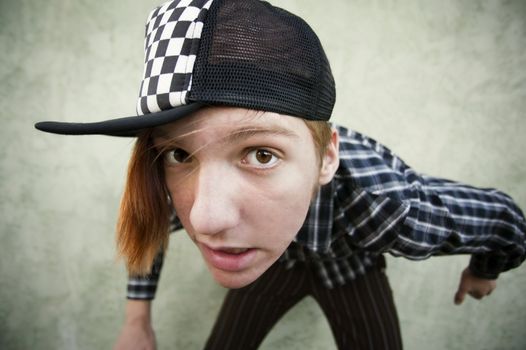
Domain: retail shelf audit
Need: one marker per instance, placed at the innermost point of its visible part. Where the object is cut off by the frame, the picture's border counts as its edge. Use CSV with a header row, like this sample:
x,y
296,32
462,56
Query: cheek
x,y
279,206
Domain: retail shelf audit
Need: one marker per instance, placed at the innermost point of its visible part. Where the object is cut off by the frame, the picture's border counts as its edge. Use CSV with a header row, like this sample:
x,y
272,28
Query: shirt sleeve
x,y
145,287
391,208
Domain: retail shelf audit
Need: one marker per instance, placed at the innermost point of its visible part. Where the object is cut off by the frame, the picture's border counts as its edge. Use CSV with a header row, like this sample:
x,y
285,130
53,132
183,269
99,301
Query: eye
x,y
261,158
176,156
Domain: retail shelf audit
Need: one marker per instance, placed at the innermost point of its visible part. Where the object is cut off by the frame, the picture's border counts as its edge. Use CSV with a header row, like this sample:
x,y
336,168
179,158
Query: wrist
x,y
480,273
138,311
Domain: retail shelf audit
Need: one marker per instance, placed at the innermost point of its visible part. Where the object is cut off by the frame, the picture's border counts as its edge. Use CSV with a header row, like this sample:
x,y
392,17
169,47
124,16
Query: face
x,y
241,183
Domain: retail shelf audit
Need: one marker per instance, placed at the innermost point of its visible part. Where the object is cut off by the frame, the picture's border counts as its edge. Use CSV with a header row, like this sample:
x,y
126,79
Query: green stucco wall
x,y
442,83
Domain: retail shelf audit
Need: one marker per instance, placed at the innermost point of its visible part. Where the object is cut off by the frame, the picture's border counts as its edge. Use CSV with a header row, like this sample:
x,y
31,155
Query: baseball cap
x,y
242,53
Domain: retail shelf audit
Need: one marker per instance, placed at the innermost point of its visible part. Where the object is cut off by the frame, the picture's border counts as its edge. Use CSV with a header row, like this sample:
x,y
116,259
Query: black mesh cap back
x,y
257,56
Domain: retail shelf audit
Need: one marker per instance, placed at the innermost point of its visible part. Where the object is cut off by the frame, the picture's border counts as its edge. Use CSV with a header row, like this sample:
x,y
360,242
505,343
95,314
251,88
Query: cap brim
x,y
127,126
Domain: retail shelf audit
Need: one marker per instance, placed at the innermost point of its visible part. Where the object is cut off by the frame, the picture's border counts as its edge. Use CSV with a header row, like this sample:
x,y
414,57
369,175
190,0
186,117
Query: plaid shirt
x,y
377,204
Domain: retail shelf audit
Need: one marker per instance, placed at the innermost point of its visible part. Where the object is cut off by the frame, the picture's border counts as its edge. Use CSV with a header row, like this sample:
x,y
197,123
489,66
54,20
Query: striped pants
x,y
362,314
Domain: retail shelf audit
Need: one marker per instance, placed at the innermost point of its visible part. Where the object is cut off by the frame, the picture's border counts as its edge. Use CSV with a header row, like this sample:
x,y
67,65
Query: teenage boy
x,y
232,131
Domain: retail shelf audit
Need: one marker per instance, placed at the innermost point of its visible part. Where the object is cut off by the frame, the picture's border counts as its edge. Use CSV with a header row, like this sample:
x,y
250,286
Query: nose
x,y
215,204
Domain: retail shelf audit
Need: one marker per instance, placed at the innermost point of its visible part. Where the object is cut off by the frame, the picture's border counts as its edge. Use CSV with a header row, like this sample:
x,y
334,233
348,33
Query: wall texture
x,y
442,83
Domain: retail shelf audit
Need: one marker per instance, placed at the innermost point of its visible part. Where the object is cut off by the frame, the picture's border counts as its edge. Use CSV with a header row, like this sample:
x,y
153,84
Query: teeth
x,y
234,250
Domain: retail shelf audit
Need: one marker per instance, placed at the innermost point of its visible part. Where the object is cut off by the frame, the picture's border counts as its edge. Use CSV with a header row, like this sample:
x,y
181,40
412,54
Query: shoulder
x,y
369,165
354,144
358,151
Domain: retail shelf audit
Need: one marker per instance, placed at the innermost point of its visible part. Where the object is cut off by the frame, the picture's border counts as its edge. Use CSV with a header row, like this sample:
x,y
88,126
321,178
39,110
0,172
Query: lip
x,y
227,261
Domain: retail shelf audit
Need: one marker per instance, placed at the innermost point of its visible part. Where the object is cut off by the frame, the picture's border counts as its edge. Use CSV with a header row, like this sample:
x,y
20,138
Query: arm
x,y
445,217
394,209
137,332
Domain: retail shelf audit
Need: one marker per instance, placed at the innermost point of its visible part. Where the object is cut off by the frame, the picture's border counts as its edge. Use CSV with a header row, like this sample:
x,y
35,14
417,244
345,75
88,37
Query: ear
x,y
331,159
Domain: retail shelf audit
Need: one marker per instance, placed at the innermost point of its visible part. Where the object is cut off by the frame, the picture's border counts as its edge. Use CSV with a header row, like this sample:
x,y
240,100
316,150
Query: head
x,y
240,181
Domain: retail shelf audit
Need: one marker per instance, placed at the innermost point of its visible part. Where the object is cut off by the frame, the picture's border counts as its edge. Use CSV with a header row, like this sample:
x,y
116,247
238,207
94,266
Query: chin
x,y
234,280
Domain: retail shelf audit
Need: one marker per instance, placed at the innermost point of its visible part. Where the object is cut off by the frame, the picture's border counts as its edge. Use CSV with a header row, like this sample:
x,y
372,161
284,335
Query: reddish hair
x,y
321,135
142,227
144,217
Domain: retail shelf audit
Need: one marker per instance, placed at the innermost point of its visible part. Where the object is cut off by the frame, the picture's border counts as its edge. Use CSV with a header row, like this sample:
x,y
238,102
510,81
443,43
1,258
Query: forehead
x,y
225,121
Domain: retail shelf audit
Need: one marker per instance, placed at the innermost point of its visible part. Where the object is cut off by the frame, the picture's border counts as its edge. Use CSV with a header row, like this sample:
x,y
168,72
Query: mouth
x,y
233,250
230,259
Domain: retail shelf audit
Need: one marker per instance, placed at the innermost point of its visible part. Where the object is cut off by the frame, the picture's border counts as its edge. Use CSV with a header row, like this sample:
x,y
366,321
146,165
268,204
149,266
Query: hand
x,y
474,286
137,335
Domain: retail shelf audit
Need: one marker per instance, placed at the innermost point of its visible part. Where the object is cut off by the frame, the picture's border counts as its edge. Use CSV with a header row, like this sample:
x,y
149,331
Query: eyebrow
x,y
237,135
245,133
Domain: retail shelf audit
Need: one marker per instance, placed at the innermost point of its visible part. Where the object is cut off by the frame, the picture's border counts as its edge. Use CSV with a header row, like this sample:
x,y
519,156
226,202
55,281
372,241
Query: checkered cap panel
x,y
173,31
